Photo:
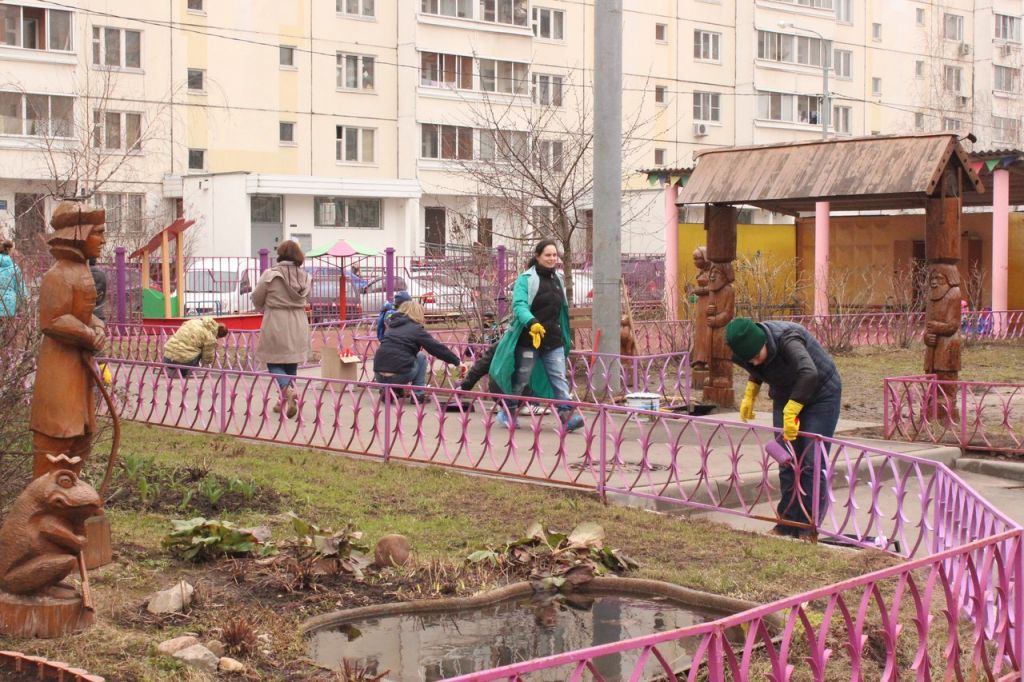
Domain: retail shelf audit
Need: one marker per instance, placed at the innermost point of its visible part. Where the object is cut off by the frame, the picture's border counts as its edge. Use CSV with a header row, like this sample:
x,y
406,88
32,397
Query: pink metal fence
x,y
967,556
972,414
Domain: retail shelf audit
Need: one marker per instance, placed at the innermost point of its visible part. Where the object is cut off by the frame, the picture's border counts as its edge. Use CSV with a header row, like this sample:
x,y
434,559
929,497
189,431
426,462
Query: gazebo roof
x,y
853,174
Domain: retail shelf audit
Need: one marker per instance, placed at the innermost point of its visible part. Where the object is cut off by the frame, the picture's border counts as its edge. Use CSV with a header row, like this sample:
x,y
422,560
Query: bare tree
x,y
906,298
768,285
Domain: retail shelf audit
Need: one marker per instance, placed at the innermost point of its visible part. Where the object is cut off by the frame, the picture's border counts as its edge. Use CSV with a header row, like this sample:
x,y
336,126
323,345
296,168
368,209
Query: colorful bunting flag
x,y
652,179
977,165
1007,161
991,163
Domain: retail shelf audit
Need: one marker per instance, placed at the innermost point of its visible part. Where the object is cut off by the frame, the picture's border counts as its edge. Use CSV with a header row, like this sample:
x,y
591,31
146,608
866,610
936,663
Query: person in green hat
x,y
806,393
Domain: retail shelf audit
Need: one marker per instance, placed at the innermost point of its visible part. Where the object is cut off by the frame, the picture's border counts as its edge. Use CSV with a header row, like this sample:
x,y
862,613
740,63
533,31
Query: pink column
x,y
1000,245
672,290
821,210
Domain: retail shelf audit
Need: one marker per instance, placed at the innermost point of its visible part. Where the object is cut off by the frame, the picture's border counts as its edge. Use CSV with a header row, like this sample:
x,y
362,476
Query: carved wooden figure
x,y
942,322
63,417
701,353
721,309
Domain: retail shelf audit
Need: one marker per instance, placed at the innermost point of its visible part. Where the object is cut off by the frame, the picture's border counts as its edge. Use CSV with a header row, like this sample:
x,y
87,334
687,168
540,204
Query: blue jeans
x,y
554,367
417,376
286,372
821,418
180,371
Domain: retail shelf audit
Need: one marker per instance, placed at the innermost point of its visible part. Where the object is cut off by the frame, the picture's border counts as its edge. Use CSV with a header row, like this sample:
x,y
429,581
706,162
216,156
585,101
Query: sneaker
x,y
291,409
505,421
575,422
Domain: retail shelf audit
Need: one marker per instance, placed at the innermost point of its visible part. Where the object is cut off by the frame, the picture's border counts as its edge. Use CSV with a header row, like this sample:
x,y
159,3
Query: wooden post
x,y
942,311
720,223
165,271
179,261
145,270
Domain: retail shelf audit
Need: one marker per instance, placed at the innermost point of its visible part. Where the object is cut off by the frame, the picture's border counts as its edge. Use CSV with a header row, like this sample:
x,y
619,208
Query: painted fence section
x,y
974,415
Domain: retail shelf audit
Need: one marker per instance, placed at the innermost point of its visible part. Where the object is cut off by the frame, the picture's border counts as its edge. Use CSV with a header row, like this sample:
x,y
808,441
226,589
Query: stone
x,y
217,647
392,550
172,600
230,665
172,646
199,657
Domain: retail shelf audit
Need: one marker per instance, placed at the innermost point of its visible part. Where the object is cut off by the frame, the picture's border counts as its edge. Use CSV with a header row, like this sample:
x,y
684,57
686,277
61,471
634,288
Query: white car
x,y
219,286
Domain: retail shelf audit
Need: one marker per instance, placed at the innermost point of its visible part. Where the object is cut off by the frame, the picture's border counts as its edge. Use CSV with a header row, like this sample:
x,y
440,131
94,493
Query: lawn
x,y
446,514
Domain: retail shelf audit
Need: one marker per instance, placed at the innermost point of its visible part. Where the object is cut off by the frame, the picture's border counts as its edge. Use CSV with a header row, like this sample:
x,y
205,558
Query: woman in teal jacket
x,y
12,285
538,330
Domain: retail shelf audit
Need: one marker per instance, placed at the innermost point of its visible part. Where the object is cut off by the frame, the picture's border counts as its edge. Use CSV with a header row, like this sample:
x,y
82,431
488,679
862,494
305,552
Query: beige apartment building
x,y
370,119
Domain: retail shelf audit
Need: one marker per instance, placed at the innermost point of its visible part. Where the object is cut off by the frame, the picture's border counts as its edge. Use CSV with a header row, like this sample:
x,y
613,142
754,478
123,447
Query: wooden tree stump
x,y
44,617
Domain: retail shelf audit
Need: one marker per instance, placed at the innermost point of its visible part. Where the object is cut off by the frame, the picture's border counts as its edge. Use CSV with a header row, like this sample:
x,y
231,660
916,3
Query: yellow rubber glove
x,y
747,405
790,423
537,333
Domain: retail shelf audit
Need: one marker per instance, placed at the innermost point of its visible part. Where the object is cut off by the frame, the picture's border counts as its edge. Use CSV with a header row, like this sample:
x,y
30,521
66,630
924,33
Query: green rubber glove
x,y
537,333
790,423
747,404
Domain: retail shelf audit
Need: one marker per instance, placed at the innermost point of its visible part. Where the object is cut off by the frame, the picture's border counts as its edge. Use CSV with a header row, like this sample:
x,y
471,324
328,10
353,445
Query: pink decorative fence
x,y
972,414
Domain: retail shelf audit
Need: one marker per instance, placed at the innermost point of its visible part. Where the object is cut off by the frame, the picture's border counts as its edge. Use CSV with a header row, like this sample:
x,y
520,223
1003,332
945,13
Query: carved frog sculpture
x,y
45,531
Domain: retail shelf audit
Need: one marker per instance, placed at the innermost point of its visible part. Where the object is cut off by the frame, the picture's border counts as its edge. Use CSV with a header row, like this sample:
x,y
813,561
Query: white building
x,y
318,119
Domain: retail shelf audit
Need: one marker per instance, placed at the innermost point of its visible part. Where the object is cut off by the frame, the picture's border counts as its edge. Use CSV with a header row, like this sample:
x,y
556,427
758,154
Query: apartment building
x,y
370,120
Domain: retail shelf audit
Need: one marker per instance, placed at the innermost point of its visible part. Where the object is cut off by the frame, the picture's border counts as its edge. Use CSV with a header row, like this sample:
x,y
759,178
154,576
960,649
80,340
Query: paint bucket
x,y
643,401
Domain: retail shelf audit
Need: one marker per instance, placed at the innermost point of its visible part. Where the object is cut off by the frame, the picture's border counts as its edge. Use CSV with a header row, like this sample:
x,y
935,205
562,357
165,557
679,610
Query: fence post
x,y
389,273
602,452
963,414
818,448
264,260
387,423
121,275
1018,601
223,402
500,267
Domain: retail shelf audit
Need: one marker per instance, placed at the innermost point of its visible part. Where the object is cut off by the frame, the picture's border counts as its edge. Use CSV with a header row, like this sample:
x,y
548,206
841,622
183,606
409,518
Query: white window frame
x,y
919,68
1007,28
117,205
25,121
505,12
707,46
366,77
841,118
462,71
844,12
462,136
661,32
366,8
459,9
549,154
335,207
547,89
815,4
201,9
20,33
366,154
707,107
283,50
952,123
1000,74
790,108
100,38
188,77
842,64
660,155
876,32
555,21
956,22
202,167
919,120
101,129
919,17
953,78
513,142
1006,132
282,126
517,84
876,86
661,94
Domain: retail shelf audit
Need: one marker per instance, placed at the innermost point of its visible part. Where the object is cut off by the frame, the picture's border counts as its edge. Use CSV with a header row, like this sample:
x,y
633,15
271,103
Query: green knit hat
x,y
745,337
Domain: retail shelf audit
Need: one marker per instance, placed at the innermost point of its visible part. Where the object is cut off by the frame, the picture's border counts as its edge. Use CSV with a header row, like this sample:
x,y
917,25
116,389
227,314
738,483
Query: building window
x,y
660,94
448,8
354,145
197,159
1006,79
125,213
547,89
1006,129
116,47
952,124
919,68
512,12
355,71
842,63
286,132
919,121
843,12
116,130
841,119
661,33
497,75
791,49
876,86
1008,28
706,106
36,115
35,28
547,154
549,23
952,78
777,106
706,45
346,212
446,142
659,157
446,70
197,80
286,55
919,16
195,5
361,8
817,4
876,31
503,145
953,27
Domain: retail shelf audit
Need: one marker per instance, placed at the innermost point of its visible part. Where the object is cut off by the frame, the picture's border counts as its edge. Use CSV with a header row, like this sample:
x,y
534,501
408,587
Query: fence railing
x,y
966,570
975,415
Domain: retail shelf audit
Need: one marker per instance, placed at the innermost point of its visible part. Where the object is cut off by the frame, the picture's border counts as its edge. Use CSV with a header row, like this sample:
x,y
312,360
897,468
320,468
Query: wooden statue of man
x,y
942,322
63,417
721,308
701,353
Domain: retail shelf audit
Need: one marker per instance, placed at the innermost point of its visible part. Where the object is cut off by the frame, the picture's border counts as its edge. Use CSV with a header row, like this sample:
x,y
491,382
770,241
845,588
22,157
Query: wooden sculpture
x,y
721,309
942,322
701,353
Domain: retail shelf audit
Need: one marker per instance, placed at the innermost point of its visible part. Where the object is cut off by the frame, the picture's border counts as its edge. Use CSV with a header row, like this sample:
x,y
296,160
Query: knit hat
x,y
745,337
401,297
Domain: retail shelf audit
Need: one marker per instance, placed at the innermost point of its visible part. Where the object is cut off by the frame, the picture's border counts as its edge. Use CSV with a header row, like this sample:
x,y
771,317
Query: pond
x,y
435,646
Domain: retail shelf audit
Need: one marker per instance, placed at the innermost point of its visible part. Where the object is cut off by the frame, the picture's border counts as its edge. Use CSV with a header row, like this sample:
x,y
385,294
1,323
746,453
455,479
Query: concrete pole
x,y
821,216
608,180
1000,246
672,290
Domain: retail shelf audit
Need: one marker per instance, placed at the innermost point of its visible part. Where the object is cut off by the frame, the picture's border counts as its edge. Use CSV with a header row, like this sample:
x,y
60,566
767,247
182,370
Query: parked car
x,y
324,298
219,286
435,291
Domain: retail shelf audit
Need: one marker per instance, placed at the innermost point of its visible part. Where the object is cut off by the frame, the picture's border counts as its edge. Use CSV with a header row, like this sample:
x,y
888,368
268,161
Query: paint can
x,y
643,401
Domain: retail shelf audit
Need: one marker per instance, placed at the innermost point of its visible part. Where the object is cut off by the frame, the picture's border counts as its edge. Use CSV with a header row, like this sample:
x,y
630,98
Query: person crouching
x,y
398,359
195,342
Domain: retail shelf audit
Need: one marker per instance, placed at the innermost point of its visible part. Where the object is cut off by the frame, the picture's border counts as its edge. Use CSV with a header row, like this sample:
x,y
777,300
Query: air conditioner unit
x,y
965,49
1008,50
963,100
700,129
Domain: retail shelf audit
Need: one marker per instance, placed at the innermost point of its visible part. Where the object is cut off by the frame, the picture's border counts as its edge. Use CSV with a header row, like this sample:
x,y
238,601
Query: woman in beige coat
x,y
282,295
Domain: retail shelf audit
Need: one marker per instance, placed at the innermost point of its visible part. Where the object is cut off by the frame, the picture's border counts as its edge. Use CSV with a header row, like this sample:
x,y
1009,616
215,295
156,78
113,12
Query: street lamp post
x,y
826,54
